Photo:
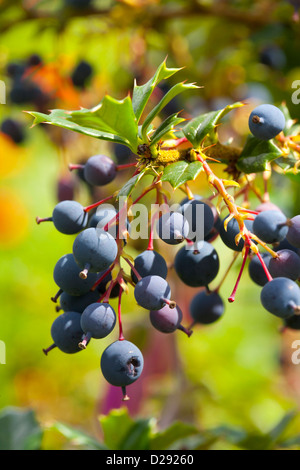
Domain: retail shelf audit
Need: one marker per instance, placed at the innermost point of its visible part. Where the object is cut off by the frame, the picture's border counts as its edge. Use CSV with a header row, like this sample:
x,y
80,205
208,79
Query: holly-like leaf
x,y
181,172
141,94
204,125
112,120
256,155
165,128
174,91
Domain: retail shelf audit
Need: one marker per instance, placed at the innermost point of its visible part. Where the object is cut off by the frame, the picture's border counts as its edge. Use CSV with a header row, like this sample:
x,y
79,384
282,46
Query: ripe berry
x,y
122,364
281,297
286,265
266,122
97,321
149,262
99,170
77,303
168,320
94,250
106,214
152,292
270,226
66,276
172,228
200,218
293,235
68,217
256,271
228,236
206,308
197,267
66,332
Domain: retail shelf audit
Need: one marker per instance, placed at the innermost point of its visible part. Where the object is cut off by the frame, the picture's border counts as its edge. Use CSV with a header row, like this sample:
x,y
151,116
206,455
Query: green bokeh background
x,y
237,372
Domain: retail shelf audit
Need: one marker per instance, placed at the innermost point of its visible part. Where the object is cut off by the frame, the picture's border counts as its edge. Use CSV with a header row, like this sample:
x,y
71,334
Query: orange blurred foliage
x,y
14,218
53,83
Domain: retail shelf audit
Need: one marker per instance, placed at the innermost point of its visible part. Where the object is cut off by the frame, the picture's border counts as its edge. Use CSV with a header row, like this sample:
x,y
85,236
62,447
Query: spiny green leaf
x,y
165,127
174,91
181,172
200,127
141,94
112,120
66,124
256,155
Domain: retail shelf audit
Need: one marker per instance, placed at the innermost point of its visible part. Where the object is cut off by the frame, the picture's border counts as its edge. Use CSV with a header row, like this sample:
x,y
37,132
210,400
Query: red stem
x,y
264,266
108,292
248,211
75,166
57,295
121,336
125,166
96,204
100,300
153,218
102,277
232,297
46,219
117,216
151,238
45,351
139,277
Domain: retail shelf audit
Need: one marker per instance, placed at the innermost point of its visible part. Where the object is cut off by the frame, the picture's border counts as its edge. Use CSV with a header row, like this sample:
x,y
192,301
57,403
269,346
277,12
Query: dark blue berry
x,y
151,292
94,250
149,262
270,226
266,121
66,332
122,364
281,297
206,307
172,228
197,266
